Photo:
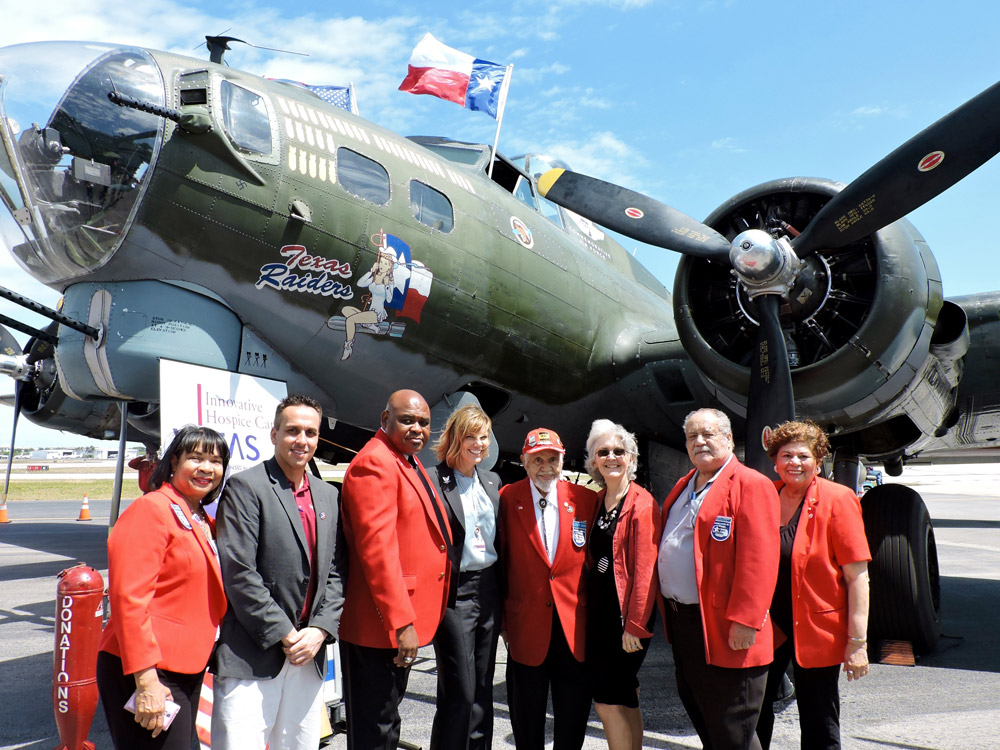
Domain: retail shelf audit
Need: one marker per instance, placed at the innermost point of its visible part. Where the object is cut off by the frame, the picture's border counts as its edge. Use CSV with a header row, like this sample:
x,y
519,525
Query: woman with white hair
x,y
621,583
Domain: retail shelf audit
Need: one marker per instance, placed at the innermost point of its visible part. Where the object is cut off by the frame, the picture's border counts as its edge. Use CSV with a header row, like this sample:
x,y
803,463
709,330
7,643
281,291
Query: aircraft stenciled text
x,y
284,275
691,233
855,215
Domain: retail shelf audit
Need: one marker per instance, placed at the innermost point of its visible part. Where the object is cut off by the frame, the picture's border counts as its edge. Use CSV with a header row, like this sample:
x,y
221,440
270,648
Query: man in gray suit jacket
x,y
282,567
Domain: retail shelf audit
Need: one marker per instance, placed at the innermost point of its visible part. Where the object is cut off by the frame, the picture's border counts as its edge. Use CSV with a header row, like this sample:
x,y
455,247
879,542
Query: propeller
x,y
767,266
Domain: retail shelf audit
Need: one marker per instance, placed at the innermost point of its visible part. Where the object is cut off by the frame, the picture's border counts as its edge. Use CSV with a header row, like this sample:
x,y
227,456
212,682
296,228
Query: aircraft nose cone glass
x,y
74,164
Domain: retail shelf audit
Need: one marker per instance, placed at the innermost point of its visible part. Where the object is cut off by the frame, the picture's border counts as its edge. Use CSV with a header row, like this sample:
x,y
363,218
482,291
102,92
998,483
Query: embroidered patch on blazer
x,y
722,528
579,533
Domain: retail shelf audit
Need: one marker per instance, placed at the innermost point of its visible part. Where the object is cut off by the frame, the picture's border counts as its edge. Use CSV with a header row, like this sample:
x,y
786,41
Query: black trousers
x,y
528,692
817,693
116,688
722,703
465,647
373,689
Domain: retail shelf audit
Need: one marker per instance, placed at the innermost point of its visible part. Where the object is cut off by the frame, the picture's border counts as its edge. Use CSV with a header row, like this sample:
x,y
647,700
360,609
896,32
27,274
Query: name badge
x,y
579,533
722,528
478,542
181,518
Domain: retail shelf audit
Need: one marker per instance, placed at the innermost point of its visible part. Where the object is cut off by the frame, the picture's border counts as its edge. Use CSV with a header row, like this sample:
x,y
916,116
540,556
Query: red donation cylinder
x,y
79,618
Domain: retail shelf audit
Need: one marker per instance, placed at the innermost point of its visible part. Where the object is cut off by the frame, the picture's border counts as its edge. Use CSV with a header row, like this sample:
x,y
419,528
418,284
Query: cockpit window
x,y
244,114
550,211
524,193
431,207
78,161
363,177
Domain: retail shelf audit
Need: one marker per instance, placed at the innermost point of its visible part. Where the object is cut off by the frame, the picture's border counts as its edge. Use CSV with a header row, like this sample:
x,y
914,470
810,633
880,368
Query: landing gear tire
x,y
905,581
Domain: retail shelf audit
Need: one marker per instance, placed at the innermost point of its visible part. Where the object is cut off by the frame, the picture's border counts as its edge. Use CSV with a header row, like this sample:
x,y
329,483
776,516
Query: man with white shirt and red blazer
x,y
546,523
398,570
717,568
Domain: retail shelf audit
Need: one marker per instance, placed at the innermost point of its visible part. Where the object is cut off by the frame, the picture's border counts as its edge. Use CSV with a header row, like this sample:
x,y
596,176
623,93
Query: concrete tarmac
x,y
949,701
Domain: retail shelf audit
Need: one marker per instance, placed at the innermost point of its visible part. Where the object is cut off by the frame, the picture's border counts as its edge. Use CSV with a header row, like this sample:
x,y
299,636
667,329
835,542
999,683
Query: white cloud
x,y
729,145
602,155
868,111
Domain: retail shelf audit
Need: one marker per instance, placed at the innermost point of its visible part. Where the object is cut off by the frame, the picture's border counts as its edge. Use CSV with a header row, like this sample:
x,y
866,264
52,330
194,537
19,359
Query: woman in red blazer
x,y
166,595
822,587
621,584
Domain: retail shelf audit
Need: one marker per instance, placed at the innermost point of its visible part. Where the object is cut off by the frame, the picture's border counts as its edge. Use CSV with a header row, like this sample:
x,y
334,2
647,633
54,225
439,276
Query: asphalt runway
x,y
949,701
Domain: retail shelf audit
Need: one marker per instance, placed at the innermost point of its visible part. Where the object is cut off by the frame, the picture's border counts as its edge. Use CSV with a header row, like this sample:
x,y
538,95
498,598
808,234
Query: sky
x,y
688,101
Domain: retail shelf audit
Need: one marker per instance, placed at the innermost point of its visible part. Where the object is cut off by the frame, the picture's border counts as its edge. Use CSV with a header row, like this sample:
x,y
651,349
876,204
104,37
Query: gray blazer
x,y
265,570
444,476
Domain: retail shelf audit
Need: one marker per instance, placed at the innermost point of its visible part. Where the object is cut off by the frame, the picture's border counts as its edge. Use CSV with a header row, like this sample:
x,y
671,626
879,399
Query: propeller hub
x,y
764,265
16,366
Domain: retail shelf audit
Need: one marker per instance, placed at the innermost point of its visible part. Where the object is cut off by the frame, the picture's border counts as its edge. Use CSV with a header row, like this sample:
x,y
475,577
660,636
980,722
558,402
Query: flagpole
x,y
504,88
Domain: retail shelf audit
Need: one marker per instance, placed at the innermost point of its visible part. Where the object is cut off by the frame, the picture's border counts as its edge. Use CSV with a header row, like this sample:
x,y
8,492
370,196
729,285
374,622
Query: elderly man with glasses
x,y
717,567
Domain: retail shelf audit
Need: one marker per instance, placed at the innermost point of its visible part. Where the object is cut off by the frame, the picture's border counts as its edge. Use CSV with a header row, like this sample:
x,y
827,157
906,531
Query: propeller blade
x,y
8,344
770,400
923,167
633,214
40,348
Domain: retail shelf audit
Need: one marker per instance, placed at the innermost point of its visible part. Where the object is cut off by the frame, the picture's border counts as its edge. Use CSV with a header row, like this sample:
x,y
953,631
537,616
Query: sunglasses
x,y
605,452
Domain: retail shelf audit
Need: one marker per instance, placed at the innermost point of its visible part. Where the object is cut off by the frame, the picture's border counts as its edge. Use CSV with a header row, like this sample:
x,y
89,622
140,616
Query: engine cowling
x,y
859,322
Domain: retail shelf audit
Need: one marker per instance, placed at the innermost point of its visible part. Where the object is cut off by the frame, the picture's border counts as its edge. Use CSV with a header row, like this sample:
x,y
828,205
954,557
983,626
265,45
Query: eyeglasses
x,y
605,452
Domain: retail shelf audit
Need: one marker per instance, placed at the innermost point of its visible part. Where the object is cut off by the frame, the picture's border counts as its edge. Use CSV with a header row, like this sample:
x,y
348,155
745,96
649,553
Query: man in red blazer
x,y
398,572
717,566
545,525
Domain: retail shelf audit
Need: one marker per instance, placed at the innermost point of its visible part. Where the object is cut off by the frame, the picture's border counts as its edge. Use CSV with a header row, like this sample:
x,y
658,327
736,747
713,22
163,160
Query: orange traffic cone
x,y
85,510
3,512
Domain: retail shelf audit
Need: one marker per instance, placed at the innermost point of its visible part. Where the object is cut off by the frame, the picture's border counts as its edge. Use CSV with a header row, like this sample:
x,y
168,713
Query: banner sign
x,y
241,407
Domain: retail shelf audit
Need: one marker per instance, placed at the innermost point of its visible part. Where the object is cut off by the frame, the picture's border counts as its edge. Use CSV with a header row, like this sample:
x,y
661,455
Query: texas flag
x,y
411,279
449,74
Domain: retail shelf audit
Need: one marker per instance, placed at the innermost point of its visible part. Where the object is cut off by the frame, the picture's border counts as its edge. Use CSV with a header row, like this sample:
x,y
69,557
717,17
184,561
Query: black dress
x,y
613,672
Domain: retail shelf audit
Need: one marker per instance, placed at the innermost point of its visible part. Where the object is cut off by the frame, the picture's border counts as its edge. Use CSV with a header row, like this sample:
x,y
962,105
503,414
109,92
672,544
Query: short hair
x,y
806,432
721,417
466,420
296,399
600,429
188,439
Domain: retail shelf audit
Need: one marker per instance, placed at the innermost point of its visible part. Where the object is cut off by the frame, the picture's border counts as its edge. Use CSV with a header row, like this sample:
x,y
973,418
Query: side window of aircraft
x,y
524,193
431,207
550,211
363,177
244,114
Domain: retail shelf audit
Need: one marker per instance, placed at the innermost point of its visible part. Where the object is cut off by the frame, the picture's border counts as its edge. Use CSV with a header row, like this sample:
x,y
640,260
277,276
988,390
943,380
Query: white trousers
x,y
279,714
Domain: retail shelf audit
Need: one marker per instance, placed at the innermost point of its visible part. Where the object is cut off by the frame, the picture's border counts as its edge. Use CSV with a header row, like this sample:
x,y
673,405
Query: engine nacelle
x,y
859,322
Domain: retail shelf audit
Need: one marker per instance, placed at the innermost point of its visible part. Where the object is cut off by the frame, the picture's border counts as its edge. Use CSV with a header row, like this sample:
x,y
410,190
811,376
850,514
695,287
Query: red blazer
x,y
831,534
533,585
398,569
164,585
737,572
634,549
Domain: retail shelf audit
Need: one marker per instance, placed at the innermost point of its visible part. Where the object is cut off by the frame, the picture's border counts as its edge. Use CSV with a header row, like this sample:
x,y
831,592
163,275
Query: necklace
x,y
607,517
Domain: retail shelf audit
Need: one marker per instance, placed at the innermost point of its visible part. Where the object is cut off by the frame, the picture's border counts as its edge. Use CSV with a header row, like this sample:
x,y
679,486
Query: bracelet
x,y
859,641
